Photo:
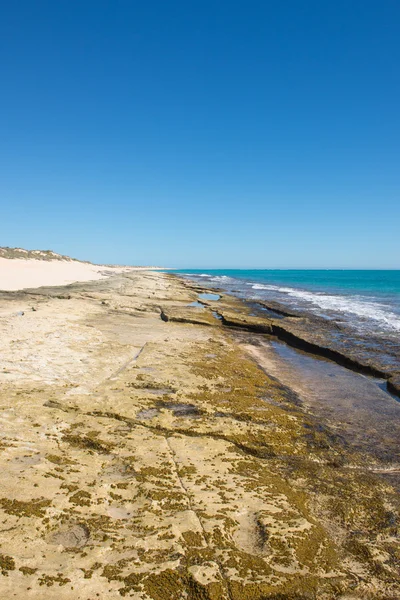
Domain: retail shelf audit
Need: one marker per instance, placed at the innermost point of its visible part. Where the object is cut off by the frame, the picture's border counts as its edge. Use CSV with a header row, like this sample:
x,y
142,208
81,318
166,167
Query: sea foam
x,y
354,305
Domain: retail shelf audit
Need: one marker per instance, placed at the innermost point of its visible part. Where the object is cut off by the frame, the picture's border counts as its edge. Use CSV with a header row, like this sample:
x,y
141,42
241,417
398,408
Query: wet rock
x,y
393,385
147,413
75,536
194,315
279,309
318,336
257,324
181,410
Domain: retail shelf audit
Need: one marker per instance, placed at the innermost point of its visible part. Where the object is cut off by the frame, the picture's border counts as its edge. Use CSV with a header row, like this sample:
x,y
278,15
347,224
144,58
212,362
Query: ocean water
x,y
367,301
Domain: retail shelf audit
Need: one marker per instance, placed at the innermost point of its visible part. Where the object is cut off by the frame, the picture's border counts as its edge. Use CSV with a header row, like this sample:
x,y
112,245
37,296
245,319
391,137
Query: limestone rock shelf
x,y
153,459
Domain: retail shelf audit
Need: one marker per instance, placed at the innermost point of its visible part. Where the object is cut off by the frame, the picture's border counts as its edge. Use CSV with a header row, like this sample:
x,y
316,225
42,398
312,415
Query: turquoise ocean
x,y
367,301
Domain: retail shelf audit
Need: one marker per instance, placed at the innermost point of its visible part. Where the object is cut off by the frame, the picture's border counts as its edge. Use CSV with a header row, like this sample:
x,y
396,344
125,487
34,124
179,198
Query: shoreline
x,y
317,336
17,274
258,330
152,458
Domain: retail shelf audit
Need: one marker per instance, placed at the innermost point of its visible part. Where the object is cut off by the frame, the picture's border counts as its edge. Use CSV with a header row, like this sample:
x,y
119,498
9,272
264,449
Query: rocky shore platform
x,y
146,454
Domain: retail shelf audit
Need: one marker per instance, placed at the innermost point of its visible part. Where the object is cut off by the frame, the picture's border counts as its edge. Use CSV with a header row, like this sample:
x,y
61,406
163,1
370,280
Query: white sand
x,y
18,273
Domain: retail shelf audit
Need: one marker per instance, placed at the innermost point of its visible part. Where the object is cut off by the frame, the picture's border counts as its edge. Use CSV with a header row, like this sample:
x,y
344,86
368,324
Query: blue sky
x,y
202,133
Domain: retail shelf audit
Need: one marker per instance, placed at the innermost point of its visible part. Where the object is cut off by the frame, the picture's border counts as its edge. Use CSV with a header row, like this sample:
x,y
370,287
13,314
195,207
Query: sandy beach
x,y
18,274
146,454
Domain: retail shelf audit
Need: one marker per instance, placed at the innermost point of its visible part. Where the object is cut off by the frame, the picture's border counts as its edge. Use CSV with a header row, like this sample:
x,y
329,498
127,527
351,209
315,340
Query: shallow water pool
x,y
206,296
355,406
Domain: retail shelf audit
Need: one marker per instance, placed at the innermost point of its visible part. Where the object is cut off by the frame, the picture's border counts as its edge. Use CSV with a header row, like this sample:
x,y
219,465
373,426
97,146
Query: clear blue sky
x,y
201,133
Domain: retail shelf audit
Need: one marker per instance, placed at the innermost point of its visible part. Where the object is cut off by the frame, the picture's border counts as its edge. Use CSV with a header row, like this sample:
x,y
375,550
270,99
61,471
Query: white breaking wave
x,y
217,278
212,277
259,286
345,304
221,278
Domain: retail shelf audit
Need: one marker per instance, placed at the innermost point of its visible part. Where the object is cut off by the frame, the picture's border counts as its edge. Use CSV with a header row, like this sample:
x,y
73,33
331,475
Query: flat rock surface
x,y
154,459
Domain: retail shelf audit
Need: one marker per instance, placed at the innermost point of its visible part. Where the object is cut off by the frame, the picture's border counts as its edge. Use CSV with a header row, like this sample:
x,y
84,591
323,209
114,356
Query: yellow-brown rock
x,y
155,460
